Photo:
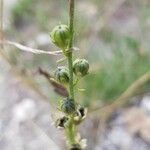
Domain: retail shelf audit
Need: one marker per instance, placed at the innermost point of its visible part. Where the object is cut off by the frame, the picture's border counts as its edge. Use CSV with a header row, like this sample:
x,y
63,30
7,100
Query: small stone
x,y
25,110
145,104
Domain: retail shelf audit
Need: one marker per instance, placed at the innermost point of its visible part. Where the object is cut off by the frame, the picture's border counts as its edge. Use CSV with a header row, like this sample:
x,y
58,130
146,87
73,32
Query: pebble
x,y
24,110
145,104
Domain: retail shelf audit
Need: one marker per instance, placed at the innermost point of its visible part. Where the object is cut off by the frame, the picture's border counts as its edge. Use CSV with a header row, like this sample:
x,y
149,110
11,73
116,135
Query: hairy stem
x,y
71,27
70,130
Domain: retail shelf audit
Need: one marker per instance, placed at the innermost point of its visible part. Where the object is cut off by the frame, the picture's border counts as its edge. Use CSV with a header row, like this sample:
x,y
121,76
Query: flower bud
x,y
68,106
80,67
62,75
60,36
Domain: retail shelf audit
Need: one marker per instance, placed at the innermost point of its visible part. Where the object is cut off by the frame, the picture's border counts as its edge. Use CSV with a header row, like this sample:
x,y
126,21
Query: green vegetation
x,y
117,59
21,10
118,72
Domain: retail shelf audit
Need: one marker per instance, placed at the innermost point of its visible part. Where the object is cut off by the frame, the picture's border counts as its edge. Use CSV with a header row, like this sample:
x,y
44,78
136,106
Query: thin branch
x,y
31,50
58,88
28,49
70,63
121,100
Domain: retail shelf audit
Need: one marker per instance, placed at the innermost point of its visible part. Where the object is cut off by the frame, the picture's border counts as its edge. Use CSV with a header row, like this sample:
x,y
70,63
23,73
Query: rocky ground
x,y
25,121
129,129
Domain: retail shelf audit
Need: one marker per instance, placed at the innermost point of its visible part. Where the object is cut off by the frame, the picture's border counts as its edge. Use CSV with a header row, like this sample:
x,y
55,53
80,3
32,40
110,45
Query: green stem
x,y
70,130
71,87
70,65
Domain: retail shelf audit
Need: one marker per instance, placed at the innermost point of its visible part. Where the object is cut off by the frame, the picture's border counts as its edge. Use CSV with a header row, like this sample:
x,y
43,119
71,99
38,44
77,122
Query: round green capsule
x,y
62,75
80,67
60,36
68,106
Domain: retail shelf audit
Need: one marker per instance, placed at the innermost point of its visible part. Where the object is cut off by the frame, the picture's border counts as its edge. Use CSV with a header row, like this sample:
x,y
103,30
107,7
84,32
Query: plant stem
x,y
70,130
70,66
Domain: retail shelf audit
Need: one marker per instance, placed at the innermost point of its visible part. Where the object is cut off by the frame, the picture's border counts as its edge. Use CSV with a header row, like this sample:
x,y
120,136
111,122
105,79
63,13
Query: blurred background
x,y
115,37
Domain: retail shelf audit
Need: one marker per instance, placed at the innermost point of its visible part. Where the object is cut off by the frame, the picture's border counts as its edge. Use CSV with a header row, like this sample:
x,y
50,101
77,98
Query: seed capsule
x,y
68,106
60,123
80,115
80,67
62,75
60,36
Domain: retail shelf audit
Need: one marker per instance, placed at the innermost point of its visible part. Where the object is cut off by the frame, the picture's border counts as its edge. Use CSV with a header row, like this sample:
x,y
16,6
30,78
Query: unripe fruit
x,y
62,75
80,67
68,106
60,36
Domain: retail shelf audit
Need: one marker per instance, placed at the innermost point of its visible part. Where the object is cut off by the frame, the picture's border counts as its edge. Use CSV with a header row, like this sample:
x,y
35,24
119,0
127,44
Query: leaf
x,y
58,88
31,50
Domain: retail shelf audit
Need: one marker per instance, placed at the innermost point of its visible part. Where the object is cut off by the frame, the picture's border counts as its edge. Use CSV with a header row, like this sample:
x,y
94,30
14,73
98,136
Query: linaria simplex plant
x,y
67,77
73,114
